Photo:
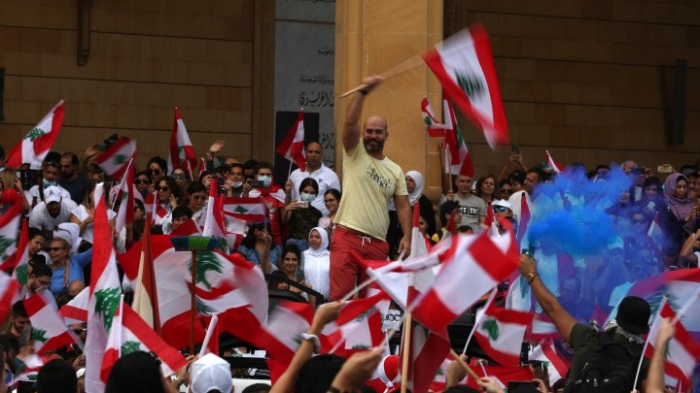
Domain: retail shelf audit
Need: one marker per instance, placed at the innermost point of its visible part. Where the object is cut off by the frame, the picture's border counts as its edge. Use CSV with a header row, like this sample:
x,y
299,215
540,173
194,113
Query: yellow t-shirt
x,y
368,185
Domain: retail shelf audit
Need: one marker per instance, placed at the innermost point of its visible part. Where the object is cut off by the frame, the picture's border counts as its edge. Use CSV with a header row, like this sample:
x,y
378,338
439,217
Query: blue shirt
x,y
75,272
251,254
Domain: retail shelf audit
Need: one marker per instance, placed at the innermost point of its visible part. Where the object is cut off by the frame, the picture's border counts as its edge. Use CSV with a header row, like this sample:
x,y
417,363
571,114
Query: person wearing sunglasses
x,y
504,189
197,196
168,199
142,182
258,247
65,269
156,169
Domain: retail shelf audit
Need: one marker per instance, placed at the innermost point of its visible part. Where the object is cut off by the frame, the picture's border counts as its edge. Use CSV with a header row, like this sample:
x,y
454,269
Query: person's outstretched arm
x,y
351,130
655,378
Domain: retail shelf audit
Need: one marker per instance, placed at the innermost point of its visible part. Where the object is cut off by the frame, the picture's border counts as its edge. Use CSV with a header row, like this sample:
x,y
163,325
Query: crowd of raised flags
x,y
434,287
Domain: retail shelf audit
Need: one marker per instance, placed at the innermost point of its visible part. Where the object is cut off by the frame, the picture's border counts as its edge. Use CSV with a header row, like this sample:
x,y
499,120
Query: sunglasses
x,y
56,248
499,209
163,189
259,227
141,181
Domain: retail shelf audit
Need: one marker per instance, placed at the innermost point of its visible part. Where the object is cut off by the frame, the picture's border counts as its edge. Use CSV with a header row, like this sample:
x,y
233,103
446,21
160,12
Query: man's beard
x,y
379,146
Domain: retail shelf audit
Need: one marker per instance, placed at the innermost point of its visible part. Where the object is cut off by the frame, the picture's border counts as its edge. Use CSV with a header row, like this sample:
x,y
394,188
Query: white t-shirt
x,y
34,192
40,218
326,179
317,271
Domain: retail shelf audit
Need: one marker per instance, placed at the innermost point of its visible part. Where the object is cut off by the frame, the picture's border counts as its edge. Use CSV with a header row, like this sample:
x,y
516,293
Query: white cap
x,y
52,194
209,373
502,203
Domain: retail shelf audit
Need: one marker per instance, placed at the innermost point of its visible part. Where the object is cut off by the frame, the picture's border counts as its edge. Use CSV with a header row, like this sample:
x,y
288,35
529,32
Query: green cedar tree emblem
x,y
21,274
428,121
440,371
33,134
206,261
107,301
241,210
491,327
130,346
5,243
361,346
120,159
39,335
201,307
472,86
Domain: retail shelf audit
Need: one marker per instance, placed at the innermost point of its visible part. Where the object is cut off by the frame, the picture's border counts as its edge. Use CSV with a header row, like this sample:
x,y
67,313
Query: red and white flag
x,y
49,331
202,167
116,158
502,375
76,311
153,208
9,223
21,260
387,377
357,328
500,332
247,209
682,352
554,165
292,146
556,366
181,153
464,66
8,291
282,335
33,363
34,147
105,295
125,215
214,222
434,127
471,268
145,302
456,152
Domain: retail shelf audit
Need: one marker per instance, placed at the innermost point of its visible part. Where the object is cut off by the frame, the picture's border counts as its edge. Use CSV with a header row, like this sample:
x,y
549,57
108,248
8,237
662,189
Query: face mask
x,y
49,183
307,197
267,180
237,184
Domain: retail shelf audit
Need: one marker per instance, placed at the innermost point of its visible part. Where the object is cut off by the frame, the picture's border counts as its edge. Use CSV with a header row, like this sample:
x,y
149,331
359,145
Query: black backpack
x,y
609,369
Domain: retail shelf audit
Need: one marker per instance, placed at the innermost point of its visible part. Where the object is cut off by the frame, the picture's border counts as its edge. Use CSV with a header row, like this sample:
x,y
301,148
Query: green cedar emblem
x,y
39,335
361,346
206,261
491,327
440,371
241,210
201,307
120,159
21,273
428,121
130,346
107,301
472,86
33,134
5,243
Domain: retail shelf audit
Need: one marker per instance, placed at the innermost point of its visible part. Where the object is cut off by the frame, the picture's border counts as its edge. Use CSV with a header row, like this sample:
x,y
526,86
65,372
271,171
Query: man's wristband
x,y
531,277
313,339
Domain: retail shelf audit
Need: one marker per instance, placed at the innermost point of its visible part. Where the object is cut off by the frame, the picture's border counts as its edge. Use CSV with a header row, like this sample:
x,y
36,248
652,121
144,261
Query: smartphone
x,y
256,184
665,168
305,204
512,385
515,149
526,251
650,205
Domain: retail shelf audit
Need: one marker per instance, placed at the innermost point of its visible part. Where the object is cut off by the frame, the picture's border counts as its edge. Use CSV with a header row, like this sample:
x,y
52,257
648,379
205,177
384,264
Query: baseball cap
x,y
633,315
52,194
209,373
502,203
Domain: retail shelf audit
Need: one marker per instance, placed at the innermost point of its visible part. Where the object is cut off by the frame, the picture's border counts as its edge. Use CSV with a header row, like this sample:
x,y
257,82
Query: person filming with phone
x,y
300,215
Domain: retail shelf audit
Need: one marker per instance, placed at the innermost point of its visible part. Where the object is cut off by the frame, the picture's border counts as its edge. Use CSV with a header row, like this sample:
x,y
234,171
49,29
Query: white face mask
x,y
49,183
237,184
307,197
267,180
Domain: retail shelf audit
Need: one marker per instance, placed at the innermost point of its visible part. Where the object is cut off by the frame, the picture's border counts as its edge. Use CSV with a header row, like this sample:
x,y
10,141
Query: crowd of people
x,y
650,222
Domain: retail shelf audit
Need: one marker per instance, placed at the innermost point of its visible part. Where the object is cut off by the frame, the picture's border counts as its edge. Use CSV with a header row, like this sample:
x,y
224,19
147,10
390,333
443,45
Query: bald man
x,y
324,176
370,180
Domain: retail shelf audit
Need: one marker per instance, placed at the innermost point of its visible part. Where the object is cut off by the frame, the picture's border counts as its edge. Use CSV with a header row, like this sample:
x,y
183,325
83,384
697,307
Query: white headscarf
x,y
323,249
69,232
418,191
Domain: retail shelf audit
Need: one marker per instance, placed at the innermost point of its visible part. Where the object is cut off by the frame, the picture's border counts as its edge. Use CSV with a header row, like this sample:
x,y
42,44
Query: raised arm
x,y
687,255
655,377
351,130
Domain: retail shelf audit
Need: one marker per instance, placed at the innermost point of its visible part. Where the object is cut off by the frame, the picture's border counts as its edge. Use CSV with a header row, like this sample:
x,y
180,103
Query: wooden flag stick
x,y
407,65
464,364
406,346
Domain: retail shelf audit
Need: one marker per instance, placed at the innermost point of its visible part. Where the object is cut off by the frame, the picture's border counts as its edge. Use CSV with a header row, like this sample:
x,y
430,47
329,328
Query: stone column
x,y
371,38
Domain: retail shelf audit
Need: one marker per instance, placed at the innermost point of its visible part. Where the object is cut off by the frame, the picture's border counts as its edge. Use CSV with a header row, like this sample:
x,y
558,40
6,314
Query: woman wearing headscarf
x,y
414,186
682,211
317,262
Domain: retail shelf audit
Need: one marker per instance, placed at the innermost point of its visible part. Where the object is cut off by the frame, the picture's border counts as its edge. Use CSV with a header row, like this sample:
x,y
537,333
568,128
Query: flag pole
x,y
464,364
210,333
406,346
478,319
289,172
400,68
193,310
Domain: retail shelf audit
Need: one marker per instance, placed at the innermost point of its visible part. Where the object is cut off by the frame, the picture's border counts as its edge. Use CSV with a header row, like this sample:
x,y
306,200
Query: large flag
x,y
145,302
9,223
682,352
471,268
554,165
115,160
247,209
49,331
500,331
125,215
292,146
105,293
464,66
181,153
34,147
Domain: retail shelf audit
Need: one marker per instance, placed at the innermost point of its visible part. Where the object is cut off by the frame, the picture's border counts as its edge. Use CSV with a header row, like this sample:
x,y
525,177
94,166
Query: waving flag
x,y
556,366
181,153
357,328
21,260
464,66
459,159
125,215
34,147
105,293
76,311
145,302
214,222
473,266
247,209
8,291
9,222
282,335
500,333
434,127
115,160
292,146
553,165
49,331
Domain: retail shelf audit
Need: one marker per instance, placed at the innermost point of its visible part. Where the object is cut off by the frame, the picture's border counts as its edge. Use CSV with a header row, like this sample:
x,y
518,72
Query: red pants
x,y
346,272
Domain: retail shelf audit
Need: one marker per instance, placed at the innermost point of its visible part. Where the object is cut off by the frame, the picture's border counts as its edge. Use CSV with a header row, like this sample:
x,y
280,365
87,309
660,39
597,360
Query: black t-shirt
x,y
76,188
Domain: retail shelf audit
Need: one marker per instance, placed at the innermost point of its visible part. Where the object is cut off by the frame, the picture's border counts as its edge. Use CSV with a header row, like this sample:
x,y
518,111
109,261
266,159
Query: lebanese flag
x,y
386,378
152,206
281,337
115,160
8,291
202,167
500,333
76,311
247,209
554,165
682,352
9,223
21,257
136,335
464,66
105,295
181,153
145,302
36,144
473,266
434,127
502,375
49,331
357,328
292,146
656,234
33,363
490,220
459,159
125,215
214,225
556,366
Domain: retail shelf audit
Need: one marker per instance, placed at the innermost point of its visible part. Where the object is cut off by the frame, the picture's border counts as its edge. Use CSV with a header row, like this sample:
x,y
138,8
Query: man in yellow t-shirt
x,y
370,180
